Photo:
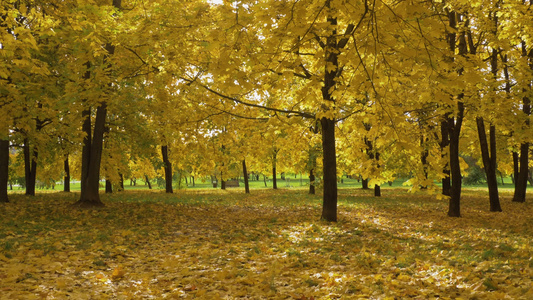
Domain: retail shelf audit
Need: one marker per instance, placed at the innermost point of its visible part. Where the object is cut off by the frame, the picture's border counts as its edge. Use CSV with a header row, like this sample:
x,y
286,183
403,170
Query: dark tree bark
x,y
522,176
373,155
245,175
148,182
312,190
274,175
329,206
454,123
377,188
521,179
66,179
30,167
4,169
488,149
87,140
121,183
332,49
90,193
489,162
424,161
364,184
168,169
454,209
444,144
108,186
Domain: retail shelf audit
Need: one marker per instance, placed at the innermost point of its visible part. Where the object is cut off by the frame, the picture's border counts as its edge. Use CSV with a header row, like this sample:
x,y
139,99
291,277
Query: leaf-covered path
x,y
268,245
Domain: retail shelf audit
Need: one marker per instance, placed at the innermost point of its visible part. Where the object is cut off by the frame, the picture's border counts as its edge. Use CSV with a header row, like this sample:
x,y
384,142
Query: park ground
x,y
270,244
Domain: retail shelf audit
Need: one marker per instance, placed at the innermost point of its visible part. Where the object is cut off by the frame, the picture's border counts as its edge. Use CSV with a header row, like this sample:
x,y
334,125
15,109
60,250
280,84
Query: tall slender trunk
x,y
30,167
488,149
86,149
66,178
455,123
424,161
312,168
522,176
274,175
121,183
332,51
454,209
245,175
4,169
312,189
90,194
329,207
168,169
489,162
521,179
377,188
148,182
444,145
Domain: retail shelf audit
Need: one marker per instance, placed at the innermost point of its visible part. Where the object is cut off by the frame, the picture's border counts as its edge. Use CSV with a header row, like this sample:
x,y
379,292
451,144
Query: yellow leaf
x,y
118,273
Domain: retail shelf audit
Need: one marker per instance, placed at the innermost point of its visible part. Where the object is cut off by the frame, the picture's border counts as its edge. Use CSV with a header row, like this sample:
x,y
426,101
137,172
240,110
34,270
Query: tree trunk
x,y
312,168
4,169
489,161
108,187
444,144
148,182
364,184
377,190
30,167
455,124
90,195
274,175
332,50
312,190
168,169
521,180
424,161
66,179
245,175
86,149
265,180
121,183
329,207
521,177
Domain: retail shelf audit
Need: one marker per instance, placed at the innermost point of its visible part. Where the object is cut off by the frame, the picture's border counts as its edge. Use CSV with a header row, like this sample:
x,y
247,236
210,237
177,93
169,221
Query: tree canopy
x,y
378,89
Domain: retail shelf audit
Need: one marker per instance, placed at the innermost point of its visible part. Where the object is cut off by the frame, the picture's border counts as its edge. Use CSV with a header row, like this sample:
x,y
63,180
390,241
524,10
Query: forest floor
x,y
215,244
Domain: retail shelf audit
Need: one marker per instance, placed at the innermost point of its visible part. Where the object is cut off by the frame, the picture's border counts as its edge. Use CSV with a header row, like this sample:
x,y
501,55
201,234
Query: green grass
x,y
291,182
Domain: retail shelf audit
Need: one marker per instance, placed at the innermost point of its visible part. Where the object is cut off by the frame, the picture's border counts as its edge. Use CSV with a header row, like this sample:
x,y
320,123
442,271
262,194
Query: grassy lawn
x,y
213,244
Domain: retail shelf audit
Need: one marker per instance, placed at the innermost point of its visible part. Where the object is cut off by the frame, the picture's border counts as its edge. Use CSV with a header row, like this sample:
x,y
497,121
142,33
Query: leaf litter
x,y
267,245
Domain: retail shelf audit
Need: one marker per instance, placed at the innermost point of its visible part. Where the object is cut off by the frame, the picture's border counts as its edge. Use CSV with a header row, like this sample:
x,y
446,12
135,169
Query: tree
x,y
4,169
94,137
